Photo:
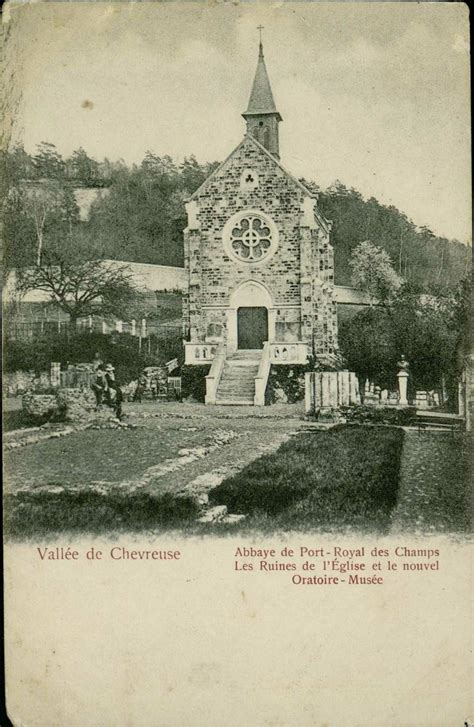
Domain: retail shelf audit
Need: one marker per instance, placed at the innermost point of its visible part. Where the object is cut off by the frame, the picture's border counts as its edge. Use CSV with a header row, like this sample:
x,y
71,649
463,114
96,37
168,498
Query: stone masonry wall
x,y
299,274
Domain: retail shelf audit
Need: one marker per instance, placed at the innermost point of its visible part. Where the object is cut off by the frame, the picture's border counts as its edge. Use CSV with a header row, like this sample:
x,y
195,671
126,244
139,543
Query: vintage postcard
x,y
237,366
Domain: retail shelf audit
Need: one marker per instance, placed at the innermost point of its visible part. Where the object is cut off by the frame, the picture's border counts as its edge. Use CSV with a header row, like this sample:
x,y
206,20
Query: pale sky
x,y
375,94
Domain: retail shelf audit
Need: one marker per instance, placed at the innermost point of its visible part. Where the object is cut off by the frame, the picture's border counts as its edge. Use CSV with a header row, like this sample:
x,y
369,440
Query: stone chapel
x,y
259,266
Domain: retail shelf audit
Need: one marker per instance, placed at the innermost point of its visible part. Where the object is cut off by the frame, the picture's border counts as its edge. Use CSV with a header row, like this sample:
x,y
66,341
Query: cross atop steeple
x,y
262,116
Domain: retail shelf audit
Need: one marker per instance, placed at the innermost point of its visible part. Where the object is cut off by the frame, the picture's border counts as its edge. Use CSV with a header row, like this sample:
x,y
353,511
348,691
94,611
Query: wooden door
x,y
252,327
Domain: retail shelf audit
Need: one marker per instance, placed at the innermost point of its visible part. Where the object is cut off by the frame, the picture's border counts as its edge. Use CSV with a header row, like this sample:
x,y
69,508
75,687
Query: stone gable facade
x,y
256,240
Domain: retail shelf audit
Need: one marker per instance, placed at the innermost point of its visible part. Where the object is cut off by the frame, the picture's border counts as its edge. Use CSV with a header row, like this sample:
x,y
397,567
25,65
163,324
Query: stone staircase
x,y
237,384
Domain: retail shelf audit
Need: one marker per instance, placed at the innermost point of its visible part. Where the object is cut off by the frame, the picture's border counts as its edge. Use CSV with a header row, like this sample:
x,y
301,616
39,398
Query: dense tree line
x,y
426,261
141,216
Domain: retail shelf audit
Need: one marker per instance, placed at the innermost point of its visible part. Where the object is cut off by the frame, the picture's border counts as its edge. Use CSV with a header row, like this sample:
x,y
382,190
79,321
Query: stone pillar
x,y
231,329
402,387
272,314
55,373
402,377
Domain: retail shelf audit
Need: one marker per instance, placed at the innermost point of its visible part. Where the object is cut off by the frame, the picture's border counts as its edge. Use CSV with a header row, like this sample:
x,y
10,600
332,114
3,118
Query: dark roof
x,y
261,97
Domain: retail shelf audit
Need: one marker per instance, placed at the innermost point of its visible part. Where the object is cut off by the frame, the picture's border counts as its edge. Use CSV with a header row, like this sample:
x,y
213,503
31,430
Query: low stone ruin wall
x,y
15,383
68,405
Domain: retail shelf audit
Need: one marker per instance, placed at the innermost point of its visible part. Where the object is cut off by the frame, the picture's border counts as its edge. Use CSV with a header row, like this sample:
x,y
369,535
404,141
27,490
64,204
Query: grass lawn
x,y
35,514
15,419
360,478
110,455
345,478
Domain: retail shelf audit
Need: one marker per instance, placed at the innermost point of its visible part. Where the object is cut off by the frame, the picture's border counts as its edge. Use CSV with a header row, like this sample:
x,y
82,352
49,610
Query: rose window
x,y
250,236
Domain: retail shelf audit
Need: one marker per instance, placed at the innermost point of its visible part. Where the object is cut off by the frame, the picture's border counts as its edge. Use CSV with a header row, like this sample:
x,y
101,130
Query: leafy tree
x,y
16,166
373,273
431,331
421,328
47,162
367,345
193,174
82,168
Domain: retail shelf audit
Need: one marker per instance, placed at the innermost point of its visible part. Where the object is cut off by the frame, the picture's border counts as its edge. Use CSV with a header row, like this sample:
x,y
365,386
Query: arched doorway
x,y
250,317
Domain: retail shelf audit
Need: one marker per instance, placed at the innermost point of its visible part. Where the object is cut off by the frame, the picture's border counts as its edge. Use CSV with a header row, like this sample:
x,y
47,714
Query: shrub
x,y
286,380
167,348
379,415
119,349
193,381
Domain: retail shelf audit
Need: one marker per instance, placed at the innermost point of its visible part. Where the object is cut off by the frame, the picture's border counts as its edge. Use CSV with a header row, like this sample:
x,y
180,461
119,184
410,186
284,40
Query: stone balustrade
x,y
199,353
289,353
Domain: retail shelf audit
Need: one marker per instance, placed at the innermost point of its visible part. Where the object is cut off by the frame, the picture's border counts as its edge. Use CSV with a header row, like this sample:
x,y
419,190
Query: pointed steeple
x,y
261,97
262,116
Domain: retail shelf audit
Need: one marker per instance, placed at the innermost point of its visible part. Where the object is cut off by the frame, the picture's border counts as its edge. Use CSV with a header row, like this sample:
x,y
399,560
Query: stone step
x,y
240,371
241,366
236,395
238,379
236,392
248,353
237,384
234,402
233,377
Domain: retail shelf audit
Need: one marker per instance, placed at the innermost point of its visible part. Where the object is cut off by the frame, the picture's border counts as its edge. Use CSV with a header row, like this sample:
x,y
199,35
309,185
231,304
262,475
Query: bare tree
x,y
78,280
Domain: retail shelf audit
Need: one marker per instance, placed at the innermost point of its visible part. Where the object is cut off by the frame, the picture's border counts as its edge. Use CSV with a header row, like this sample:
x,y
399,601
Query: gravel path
x,y
433,495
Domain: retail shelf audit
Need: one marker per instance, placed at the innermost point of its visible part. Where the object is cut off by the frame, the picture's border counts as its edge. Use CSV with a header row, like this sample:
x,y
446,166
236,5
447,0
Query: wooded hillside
x,y
142,216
